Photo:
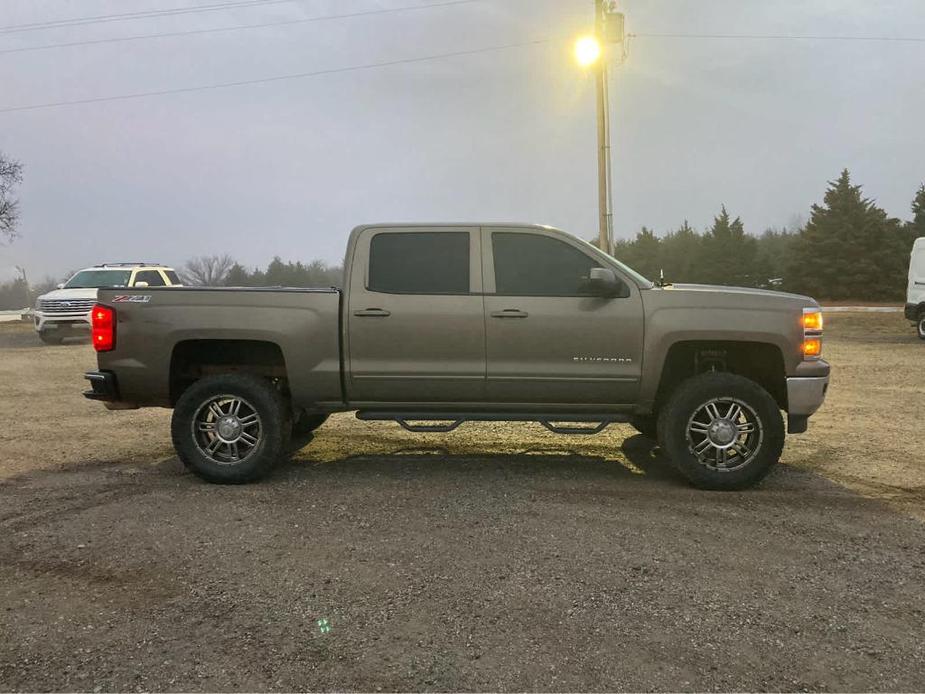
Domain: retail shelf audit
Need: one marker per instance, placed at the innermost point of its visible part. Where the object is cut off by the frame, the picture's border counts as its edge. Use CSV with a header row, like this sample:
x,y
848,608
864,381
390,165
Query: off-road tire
x,y
274,422
307,423
689,399
647,425
51,338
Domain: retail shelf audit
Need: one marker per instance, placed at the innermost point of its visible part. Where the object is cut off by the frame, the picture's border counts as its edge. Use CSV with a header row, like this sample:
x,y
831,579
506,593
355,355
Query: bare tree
x,y
207,270
10,177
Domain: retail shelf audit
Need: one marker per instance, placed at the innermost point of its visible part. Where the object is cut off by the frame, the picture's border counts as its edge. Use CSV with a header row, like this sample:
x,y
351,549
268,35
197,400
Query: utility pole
x,y
608,28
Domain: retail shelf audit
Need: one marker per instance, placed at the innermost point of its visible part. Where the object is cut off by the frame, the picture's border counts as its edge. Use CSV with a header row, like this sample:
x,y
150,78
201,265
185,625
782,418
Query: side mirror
x,y
603,282
60,285
141,285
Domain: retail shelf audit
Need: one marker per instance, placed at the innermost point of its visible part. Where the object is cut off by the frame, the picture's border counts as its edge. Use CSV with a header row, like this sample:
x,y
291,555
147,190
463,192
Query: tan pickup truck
x,y
438,325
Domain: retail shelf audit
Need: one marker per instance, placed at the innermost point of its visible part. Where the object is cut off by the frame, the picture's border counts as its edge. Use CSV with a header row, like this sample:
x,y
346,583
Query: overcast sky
x,y
289,167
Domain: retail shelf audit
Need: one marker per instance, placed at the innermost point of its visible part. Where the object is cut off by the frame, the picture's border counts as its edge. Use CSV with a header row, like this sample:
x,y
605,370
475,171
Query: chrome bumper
x,y
805,395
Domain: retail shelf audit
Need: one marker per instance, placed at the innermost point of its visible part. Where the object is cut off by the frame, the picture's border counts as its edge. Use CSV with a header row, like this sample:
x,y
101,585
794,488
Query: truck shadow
x,y
636,459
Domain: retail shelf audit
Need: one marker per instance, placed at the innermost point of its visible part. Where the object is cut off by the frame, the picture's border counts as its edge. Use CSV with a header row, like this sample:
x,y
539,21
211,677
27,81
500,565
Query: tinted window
x,y
152,277
85,279
172,277
532,265
420,263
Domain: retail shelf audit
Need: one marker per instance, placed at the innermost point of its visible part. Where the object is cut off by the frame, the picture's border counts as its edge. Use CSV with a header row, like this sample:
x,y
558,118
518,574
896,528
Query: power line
x,y
99,19
285,22
276,78
786,37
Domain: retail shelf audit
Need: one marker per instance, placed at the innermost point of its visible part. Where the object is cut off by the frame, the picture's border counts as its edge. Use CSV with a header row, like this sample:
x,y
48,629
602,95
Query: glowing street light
x,y
588,51
591,52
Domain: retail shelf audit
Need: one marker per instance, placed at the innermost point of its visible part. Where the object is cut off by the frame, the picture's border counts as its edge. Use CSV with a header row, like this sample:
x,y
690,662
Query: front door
x,y
416,328
548,340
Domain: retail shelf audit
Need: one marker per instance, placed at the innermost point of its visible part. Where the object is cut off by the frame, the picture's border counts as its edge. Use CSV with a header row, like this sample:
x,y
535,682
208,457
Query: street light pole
x,y
592,53
608,27
605,220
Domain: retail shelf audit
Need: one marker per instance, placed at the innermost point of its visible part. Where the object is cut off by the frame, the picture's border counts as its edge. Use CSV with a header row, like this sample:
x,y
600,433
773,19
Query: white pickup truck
x,y
59,313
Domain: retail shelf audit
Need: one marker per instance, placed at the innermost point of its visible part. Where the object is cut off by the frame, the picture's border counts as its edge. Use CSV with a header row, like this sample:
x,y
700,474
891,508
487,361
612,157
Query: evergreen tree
x,y
916,227
849,249
681,252
728,254
237,276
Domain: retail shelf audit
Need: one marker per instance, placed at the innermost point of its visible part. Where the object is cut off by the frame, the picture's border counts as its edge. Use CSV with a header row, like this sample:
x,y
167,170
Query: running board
x,y
452,420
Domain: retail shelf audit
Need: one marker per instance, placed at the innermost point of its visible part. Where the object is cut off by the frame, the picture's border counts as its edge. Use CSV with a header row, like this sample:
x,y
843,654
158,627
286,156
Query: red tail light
x,y
103,332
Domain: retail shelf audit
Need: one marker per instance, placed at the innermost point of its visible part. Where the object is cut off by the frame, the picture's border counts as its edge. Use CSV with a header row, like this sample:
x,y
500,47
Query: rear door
x,y
416,329
549,341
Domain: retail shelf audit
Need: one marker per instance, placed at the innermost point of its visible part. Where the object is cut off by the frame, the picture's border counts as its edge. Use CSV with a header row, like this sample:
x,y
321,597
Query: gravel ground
x,y
498,557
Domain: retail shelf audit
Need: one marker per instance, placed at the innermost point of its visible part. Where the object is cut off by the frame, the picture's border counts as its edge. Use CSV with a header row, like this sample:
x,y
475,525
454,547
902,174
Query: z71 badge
x,y
131,298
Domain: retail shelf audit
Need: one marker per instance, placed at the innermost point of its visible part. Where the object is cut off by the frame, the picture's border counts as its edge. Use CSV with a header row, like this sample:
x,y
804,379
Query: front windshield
x,y
89,279
640,280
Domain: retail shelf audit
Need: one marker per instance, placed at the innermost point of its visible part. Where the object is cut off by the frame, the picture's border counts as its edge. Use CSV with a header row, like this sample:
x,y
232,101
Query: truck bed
x,y
157,326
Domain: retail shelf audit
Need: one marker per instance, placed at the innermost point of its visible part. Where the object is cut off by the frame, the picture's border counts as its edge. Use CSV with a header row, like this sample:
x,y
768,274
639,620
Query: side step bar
x,y
448,421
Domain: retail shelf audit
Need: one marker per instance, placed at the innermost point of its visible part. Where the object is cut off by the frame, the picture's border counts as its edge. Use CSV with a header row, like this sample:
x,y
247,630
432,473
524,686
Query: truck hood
x,y
743,293
65,294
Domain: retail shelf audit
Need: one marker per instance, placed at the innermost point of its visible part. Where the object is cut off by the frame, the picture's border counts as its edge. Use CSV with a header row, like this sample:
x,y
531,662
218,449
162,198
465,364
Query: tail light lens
x,y
103,328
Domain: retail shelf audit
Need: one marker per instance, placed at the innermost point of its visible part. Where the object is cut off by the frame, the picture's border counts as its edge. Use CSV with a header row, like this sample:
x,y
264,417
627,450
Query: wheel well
x,y
193,359
761,362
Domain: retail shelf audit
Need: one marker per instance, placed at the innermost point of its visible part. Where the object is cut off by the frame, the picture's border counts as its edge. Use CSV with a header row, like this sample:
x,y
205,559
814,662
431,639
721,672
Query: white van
x,y
915,296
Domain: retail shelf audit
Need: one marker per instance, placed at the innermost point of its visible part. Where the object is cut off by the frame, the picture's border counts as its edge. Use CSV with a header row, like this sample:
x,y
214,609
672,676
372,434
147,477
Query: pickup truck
x,y
437,325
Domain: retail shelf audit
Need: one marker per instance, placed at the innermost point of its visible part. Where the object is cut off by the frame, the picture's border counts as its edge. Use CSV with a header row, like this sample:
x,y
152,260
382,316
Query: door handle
x,y
510,313
373,313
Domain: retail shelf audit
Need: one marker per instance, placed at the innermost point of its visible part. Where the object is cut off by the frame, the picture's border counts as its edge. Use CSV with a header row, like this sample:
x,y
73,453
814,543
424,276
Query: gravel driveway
x,y
499,557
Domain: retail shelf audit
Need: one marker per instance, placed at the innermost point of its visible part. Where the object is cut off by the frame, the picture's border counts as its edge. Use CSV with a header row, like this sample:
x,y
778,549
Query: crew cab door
x,y
415,322
549,340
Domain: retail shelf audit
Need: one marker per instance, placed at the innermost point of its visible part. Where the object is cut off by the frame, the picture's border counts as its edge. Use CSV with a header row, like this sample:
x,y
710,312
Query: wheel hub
x,y
229,428
722,432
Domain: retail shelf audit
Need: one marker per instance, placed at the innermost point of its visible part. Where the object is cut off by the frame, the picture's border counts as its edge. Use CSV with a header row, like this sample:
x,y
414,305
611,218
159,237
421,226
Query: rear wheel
x,y
722,431
921,326
231,428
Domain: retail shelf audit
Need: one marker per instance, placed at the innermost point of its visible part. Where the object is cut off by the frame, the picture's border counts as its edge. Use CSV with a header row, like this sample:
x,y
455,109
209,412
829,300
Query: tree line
x,y
848,249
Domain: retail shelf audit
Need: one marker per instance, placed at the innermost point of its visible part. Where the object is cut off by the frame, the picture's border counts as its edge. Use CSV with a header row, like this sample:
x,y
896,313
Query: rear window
x,y
173,277
419,263
87,279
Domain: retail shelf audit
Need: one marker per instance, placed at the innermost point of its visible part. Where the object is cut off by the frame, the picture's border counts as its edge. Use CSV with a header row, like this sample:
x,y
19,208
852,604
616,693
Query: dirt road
x,y
498,557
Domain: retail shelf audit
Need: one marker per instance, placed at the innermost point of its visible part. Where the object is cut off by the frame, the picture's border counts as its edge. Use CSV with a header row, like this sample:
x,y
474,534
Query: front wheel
x,y
51,337
921,327
231,428
722,431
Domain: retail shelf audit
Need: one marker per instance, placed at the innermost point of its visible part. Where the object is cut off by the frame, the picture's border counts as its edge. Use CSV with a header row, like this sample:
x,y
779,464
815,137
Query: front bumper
x,y
806,395
911,311
46,321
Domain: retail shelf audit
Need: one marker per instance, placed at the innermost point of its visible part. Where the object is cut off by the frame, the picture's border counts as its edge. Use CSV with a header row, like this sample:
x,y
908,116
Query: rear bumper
x,y
911,312
102,386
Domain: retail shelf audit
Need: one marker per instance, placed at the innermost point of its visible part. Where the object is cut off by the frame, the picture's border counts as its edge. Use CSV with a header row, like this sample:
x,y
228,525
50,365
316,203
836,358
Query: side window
x,y
172,277
419,263
152,277
533,265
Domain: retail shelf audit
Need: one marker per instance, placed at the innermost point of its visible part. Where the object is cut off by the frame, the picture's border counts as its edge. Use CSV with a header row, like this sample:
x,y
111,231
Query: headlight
x,y
812,333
